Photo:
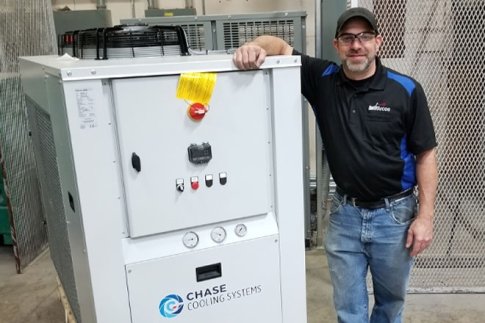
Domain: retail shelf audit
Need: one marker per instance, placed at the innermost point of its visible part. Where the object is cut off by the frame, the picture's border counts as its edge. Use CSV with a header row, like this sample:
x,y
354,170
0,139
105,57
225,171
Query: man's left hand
x,y
420,234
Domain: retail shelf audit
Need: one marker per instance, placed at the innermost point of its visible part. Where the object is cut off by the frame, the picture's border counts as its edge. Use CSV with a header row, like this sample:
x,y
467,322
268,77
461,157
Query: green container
x,y
3,195
5,226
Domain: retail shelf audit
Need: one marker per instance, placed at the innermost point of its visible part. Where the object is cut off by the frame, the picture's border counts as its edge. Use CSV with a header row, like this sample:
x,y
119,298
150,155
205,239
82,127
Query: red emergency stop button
x,y
194,182
197,111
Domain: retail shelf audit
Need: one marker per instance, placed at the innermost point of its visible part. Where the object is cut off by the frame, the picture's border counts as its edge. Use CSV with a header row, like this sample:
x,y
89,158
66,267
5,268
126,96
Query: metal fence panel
x,y
439,42
26,28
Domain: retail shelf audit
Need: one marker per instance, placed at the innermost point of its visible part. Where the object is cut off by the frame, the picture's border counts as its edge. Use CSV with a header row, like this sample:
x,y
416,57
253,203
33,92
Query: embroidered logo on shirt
x,y
380,107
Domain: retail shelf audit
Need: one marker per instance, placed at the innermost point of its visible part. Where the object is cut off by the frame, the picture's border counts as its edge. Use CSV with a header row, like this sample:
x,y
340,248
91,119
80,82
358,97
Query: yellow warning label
x,y
196,87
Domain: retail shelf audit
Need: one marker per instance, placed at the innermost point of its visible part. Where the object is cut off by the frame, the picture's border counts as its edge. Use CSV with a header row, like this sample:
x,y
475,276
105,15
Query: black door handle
x,y
136,162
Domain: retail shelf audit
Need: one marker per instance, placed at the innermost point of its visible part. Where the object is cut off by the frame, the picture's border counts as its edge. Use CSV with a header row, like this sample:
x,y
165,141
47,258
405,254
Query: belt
x,y
374,204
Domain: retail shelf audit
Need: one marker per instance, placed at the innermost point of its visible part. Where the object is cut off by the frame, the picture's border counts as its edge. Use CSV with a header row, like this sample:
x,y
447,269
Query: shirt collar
x,y
375,82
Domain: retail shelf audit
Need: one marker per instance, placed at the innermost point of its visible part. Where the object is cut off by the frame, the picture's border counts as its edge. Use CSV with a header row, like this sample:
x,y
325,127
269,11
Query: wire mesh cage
x,y
436,42
26,28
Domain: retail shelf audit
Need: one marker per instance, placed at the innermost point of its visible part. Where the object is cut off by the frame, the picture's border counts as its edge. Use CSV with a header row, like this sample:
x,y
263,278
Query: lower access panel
x,y
237,283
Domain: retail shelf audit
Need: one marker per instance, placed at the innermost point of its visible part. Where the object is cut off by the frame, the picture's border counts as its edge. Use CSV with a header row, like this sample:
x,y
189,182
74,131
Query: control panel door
x,y
180,171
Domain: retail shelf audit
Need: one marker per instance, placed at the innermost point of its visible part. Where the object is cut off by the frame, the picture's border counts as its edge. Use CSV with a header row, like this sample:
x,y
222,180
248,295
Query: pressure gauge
x,y
218,234
241,230
190,239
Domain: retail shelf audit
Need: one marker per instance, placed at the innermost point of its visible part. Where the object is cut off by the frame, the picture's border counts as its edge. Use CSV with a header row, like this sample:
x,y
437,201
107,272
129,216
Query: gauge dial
x,y
190,239
241,230
218,234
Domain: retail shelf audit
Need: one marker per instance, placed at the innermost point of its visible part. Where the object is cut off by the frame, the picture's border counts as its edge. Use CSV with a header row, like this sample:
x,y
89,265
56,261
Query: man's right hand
x,y
249,56
252,54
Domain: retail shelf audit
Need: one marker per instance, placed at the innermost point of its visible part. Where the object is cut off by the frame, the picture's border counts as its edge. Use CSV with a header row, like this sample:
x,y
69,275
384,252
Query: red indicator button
x,y
194,182
197,111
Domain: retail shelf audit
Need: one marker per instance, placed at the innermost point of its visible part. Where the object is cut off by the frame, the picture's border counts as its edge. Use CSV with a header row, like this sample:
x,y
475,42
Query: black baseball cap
x,y
357,12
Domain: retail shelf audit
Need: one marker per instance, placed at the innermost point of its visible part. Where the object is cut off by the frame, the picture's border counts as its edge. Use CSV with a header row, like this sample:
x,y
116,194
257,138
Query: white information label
x,y
86,108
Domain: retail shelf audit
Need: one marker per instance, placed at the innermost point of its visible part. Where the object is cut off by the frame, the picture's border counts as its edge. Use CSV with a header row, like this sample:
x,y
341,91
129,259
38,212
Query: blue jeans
x,y
358,239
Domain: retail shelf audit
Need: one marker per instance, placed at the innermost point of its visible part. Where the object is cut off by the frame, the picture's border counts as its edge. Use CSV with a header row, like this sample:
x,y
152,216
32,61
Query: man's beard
x,y
358,68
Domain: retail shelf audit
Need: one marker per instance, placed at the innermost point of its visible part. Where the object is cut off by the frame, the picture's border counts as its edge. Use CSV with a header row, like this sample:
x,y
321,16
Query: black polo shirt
x,y
371,129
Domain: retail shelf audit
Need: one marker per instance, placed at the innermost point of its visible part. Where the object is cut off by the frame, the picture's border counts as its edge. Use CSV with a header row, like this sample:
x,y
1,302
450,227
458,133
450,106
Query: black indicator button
x,y
223,178
209,180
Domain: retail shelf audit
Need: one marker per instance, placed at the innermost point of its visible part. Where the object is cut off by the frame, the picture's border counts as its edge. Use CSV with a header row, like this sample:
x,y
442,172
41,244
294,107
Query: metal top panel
x,y
71,69
185,19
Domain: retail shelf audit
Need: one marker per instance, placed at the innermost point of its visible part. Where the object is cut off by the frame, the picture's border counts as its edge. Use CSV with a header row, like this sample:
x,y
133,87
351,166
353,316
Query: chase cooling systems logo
x,y
171,306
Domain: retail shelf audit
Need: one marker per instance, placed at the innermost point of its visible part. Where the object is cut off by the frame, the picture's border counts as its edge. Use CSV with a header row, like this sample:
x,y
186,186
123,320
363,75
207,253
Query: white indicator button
x,y
190,239
241,230
218,234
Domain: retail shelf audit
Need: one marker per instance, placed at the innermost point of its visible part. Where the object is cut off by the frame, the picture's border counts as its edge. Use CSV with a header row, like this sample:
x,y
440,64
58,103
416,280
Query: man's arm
x,y
420,233
252,54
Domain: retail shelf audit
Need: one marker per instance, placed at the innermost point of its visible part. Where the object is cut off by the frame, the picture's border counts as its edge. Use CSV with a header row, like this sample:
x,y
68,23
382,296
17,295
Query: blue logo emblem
x,y
171,306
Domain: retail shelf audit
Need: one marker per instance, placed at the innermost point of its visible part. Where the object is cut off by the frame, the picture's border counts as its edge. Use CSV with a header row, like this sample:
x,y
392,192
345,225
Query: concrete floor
x,y
33,296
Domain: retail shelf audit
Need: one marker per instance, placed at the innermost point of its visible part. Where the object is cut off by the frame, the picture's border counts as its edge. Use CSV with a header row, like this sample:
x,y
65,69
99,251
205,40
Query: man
x,y
380,142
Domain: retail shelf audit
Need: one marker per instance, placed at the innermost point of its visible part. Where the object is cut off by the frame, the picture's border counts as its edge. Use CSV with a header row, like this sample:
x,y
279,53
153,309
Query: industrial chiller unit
x,y
172,186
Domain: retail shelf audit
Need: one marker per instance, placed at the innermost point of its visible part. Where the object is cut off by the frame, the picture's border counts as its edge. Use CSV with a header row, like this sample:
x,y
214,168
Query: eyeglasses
x,y
363,37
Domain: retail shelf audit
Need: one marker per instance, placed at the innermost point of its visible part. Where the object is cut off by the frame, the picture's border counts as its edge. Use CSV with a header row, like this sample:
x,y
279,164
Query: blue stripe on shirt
x,y
405,81
331,69
408,178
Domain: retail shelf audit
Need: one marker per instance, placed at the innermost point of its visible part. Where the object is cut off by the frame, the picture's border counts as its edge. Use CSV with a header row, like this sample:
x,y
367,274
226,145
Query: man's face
x,y
357,53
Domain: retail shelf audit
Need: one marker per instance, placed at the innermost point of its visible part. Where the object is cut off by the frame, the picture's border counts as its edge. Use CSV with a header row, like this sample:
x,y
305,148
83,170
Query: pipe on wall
x,y
152,4
329,11
189,3
101,4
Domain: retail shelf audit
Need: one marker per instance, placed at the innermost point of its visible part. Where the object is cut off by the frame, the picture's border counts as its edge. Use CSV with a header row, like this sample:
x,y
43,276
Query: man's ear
x,y
335,43
379,41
